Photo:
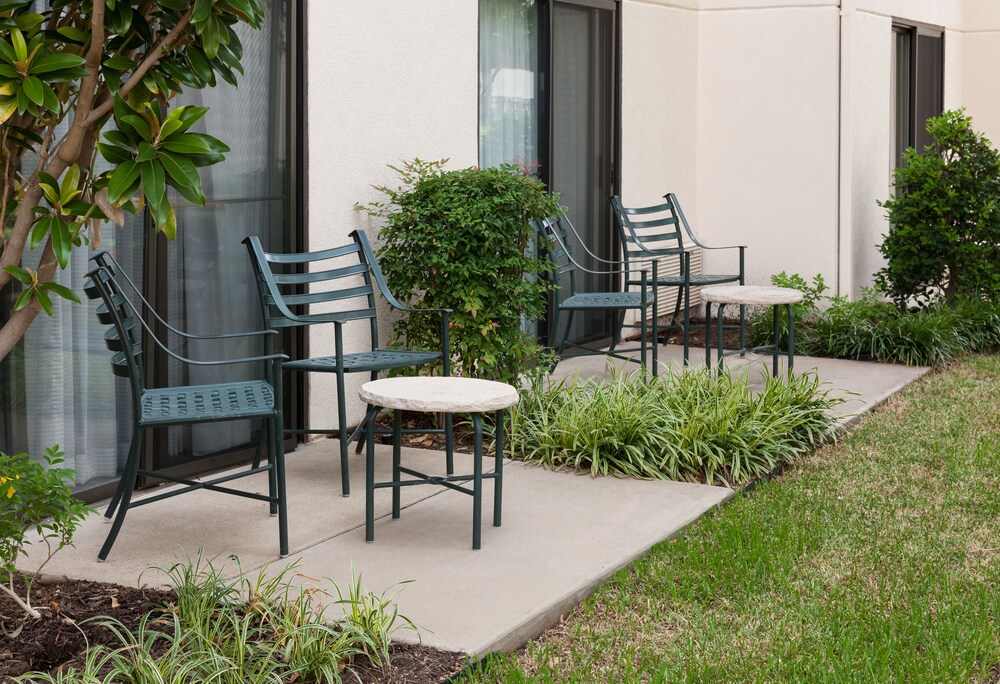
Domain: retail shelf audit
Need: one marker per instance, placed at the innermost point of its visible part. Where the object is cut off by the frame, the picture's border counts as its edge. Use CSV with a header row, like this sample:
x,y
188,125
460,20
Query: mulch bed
x,y
59,639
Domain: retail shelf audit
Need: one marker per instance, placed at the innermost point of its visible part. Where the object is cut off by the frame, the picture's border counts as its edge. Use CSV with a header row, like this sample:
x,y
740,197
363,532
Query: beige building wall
x,y
389,80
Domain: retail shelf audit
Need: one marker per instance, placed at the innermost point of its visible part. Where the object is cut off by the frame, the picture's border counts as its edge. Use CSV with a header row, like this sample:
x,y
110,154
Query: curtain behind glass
x,y
211,283
508,69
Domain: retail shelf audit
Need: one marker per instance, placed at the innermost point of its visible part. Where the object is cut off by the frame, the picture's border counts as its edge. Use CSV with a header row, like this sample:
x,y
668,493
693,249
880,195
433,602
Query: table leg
x,y
498,469
791,340
775,341
708,336
720,321
397,430
370,476
477,481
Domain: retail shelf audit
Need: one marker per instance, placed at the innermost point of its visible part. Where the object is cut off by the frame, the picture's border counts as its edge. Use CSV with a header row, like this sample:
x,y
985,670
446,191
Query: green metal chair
x,y
124,308
340,277
560,232
655,232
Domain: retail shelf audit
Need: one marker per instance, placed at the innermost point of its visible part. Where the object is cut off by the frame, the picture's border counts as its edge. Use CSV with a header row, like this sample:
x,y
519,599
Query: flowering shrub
x,y
34,497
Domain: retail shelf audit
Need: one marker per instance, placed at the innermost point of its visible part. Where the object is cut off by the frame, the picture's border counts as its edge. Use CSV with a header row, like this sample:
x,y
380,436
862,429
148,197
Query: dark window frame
x,y
918,86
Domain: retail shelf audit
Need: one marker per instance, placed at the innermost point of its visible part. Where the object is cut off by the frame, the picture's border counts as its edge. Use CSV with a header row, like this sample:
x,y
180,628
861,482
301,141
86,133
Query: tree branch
x,y
144,67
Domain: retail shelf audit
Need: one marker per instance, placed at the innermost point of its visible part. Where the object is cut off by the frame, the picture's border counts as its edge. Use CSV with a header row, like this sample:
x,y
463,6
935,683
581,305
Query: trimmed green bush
x,y
944,233
464,240
687,426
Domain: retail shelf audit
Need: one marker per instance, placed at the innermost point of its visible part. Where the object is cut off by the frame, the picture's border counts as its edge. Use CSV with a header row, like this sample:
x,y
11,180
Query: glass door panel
x,y
582,140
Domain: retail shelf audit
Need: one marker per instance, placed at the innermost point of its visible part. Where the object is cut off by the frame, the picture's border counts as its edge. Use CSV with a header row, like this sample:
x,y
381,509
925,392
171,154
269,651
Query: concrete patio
x,y
562,533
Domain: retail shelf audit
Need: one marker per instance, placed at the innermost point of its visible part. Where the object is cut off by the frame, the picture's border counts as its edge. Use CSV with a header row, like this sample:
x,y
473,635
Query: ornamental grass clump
x,y
687,426
243,630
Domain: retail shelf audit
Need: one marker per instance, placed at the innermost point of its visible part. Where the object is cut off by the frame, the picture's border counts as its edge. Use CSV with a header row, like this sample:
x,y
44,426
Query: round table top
x,y
751,294
439,394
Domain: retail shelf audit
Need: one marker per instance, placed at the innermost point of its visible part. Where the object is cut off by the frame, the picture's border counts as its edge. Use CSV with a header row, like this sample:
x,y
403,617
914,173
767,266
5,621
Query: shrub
x,y
944,232
463,240
34,497
680,426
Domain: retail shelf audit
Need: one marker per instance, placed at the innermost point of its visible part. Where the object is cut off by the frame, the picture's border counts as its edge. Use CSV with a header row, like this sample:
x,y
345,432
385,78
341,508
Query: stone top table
x,y
437,395
763,295
750,295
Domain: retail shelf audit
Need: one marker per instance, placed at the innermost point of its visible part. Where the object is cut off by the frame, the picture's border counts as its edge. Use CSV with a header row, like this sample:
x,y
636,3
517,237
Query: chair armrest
x,y
228,362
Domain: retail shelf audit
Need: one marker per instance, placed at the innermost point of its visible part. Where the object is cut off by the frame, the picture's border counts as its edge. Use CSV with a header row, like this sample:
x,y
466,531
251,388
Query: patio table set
x,y
337,287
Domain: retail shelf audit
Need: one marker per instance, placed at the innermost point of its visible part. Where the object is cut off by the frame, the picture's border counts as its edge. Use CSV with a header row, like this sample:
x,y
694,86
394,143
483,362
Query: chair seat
x,y
206,403
365,362
606,300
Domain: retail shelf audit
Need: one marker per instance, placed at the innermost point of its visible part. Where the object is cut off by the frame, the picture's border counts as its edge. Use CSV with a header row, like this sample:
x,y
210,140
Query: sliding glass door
x,y
548,101
57,387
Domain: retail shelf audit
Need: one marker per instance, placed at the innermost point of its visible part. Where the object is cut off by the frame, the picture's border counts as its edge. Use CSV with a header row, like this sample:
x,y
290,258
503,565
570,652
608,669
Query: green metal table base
x,y
449,481
774,348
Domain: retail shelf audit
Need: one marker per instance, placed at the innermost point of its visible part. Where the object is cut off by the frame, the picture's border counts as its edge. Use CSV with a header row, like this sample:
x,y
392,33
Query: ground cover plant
x,y
874,328
872,560
267,628
679,426
463,240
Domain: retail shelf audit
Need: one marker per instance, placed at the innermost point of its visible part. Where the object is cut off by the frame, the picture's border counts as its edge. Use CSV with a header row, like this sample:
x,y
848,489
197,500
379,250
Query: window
x,y
918,78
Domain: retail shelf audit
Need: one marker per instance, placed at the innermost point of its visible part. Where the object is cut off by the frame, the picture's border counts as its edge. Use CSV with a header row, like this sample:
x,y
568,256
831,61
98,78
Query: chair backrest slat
x,y
639,237
125,338
307,288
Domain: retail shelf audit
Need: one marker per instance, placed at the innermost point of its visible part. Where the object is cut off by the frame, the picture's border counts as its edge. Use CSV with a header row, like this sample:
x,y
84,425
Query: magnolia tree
x,y
82,78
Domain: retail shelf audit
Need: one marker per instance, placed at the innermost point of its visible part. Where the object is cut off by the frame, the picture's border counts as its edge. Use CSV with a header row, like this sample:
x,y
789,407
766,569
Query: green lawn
x,y
873,560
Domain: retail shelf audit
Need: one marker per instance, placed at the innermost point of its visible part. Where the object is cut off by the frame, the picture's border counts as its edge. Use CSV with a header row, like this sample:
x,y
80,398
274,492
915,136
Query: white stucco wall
x,y
659,103
767,136
978,69
389,80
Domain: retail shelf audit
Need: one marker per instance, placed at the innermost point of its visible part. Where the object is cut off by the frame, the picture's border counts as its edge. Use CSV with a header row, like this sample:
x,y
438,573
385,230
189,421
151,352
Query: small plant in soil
x,y
34,497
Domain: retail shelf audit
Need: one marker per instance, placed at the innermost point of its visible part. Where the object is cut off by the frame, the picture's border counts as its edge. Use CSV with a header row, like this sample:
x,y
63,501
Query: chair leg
x,y
273,439
128,478
261,438
276,456
719,339
687,322
133,455
569,325
617,334
708,336
656,336
345,475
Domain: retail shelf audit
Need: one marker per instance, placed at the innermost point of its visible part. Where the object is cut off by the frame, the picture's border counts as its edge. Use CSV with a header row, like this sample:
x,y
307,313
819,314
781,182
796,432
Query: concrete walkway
x,y
562,533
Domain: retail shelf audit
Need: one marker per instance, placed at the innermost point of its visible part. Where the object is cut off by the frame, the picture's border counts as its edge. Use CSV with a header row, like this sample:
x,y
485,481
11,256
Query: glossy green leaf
x,y
146,152
62,241
202,11
55,62
44,301
20,47
23,299
26,22
62,291
114,153
38,232
49,98
200,66
139,125
7,52
184,177
20,274
12,4
8,105
188,143
154,187
74,34
32,87
119,63
69,188
123,180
